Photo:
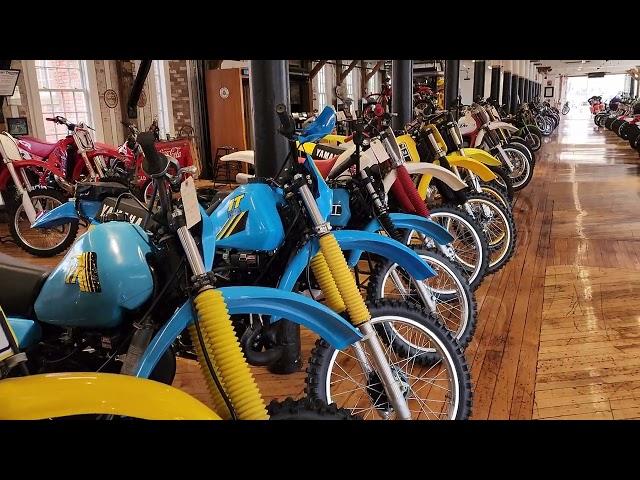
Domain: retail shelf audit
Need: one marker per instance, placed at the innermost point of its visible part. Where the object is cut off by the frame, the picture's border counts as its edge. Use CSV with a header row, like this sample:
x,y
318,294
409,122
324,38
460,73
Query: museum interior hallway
x,y
558,332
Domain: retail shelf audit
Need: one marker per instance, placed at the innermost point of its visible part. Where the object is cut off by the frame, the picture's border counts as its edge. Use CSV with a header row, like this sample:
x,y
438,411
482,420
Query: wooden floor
x,y
559,327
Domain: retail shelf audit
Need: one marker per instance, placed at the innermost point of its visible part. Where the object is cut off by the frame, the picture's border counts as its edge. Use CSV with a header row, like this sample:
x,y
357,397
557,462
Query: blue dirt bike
x,y
270,233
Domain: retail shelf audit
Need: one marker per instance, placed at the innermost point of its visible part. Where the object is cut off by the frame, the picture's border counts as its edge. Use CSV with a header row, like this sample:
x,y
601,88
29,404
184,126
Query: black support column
x,y
515,80
479,72
402,92
495,83
506,90
269,84
451,83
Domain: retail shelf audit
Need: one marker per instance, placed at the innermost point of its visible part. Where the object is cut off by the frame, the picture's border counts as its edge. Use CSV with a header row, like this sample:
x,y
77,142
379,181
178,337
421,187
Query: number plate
x,y
8,339
379,151
190,202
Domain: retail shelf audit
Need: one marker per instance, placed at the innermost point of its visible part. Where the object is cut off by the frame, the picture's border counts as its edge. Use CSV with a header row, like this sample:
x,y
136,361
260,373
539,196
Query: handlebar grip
x,y
154,163
287,126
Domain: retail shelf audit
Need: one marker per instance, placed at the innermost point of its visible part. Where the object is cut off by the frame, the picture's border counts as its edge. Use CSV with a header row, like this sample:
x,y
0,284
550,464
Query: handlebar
x,y
287,124
154,163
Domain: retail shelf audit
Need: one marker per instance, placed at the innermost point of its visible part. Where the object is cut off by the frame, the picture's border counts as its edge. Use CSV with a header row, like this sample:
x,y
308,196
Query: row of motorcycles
x,y
374,241
623,119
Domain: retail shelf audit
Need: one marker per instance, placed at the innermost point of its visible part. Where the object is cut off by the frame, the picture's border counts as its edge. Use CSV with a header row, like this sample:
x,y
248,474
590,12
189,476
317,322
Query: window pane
x,y
75,79
47,109
42,78
68,102
56,99
49,127
81,104
45,98
51,138
39,63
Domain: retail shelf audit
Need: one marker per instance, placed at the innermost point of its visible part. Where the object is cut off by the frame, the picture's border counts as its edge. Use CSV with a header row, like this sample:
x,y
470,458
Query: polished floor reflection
x,y
558,331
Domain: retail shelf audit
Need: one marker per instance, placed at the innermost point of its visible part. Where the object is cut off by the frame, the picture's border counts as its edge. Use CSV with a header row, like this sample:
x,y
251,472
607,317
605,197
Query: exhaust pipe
x,y
65,185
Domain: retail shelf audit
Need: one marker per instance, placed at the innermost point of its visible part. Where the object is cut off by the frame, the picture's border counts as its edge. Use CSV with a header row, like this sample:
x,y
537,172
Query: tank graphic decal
x,y
231,224
234,205
84,272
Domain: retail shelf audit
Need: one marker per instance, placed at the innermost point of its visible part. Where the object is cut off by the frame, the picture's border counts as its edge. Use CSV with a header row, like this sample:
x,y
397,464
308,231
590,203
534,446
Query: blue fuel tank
x,y
104,274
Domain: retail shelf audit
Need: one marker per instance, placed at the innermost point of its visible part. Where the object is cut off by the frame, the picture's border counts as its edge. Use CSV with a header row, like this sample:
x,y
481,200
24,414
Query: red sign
x,y
178,149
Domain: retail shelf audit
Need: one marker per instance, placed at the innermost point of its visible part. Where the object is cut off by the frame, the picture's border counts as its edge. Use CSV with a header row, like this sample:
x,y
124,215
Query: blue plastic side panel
x,y
125,280
208,239
58,216
258,300
415,222
340,211
258,225
27,331
90,209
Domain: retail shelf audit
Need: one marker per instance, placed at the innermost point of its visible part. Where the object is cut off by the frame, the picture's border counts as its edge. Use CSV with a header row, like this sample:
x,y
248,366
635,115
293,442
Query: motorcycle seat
x,y
20,284
325,166
36,147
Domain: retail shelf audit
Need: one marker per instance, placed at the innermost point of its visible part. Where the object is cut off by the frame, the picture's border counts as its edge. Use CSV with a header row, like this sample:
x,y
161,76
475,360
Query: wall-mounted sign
x,y
17,126
224,92
8,81
111,98
548,92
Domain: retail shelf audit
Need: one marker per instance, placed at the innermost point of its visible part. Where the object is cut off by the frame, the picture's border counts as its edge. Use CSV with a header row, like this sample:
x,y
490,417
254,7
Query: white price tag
x,y
190,202
379,151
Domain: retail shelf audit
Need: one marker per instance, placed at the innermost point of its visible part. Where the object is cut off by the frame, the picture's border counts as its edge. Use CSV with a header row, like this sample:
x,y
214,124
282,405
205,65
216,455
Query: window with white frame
x,y
162,98
62,88
373,85
321,87
349,82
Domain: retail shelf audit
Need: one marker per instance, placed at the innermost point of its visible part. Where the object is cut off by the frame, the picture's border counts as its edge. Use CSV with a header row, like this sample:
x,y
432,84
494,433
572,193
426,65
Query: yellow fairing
x,y
63,394
482,156
336,139
406,141
476,167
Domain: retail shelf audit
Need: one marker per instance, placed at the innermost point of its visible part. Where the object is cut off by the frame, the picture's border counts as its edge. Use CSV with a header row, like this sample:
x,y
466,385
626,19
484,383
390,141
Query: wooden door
x,y
225,109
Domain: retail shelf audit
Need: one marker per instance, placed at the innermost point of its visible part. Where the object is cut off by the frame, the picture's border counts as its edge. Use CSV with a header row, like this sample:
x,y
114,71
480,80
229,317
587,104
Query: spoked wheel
x,y
498,225
42,242
469,249
430,370
307,409
522,168
455,306
533,141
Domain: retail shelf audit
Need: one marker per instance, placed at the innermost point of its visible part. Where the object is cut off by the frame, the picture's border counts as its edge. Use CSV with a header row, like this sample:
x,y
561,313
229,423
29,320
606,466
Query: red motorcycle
x,y
28,189
79,156
376,107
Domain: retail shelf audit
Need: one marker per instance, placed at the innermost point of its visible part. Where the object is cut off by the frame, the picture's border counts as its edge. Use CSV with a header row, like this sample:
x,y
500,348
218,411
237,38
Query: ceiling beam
x,y
376,68
343,74
314,71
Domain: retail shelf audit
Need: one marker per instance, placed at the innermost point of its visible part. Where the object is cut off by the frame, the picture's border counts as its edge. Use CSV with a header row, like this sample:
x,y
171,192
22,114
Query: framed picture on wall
x,y
17,126
548,92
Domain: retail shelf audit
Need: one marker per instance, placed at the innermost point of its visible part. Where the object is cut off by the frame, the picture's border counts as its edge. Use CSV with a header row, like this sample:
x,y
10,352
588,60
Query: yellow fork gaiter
x,y
327,283
219,405
224,350
356,308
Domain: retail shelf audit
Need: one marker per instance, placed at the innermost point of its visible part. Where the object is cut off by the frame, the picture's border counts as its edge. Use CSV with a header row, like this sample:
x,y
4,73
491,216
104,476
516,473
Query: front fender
x,y
415,222
55,395
277,303
60,215
504,125
357,242
430,170
473,165
482,156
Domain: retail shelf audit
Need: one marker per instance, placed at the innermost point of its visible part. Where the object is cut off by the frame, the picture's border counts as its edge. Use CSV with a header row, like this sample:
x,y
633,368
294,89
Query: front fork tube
x,y
28,207
355,305
505,157
424,292
87,162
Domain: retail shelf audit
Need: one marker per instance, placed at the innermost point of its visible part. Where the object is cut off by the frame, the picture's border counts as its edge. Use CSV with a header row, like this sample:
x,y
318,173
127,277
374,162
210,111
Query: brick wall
x,y
180,100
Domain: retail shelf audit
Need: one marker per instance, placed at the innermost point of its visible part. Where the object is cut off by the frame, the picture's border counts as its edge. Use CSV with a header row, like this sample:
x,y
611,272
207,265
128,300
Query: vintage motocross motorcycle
x,y
479,131
28,189
122,294
384,393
